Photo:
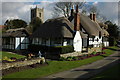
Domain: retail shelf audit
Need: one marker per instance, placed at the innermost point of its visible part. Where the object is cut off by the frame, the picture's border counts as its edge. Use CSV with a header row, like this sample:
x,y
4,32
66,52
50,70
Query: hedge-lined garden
x,y
58,66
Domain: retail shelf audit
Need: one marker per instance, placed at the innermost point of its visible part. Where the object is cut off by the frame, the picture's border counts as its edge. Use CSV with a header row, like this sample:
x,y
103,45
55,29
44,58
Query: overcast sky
x,y
21,10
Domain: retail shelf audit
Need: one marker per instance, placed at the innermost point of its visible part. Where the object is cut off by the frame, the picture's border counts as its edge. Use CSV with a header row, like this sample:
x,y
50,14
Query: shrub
x,y
62,59
75,58
69,58
37,48
57,49
94,53
13,58
42,62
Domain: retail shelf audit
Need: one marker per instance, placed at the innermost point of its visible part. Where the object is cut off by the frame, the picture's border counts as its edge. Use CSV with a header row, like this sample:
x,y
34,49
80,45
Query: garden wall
x,y
21,63
71,54
96,49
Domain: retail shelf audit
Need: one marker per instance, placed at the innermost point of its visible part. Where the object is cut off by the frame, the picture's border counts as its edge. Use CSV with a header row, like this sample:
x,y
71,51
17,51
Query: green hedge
x,y
58,49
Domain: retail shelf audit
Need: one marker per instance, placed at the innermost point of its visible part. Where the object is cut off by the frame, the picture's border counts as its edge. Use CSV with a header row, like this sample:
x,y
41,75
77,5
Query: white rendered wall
x,y
106,43
17,43
77,42
23,41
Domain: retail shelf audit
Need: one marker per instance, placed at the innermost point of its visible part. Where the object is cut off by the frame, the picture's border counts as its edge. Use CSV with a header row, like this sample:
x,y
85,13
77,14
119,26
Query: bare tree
x,y
63,8
93,9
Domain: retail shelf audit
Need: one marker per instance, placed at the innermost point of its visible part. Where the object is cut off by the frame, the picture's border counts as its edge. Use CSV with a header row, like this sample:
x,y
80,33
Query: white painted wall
x,y
77,42
65,43
23,41
20,40
106,43
17,43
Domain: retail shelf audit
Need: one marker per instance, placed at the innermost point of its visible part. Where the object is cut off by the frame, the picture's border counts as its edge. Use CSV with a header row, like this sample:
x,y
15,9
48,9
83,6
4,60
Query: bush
x,y
94,53
37,48
13,58
69,58
42,62
58,49
75,58
62,59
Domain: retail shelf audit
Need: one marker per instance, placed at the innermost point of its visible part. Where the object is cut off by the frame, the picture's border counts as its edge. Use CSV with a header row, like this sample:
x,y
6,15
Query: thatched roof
x,y
103,25
90,27
93,28
58,27
19,32
105,32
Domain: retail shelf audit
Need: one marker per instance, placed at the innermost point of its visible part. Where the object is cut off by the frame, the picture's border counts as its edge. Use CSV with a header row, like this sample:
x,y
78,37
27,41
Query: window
x,y
40,14
44,41
57,41
35,41
7,41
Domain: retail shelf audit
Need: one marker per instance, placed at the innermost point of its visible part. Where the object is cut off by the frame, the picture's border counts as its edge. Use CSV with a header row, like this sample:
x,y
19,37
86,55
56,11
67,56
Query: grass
x,y
111,73
57,66
9,55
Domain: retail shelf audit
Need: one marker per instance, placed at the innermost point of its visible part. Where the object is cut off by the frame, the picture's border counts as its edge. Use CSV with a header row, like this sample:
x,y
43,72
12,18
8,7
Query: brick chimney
x,y
91,16
77,20
94,17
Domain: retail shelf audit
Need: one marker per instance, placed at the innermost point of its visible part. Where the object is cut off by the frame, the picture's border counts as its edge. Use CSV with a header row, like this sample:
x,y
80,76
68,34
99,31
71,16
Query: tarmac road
x,y
87,71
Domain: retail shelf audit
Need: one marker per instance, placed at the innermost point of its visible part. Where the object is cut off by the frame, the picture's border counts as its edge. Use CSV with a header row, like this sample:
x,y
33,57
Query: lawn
x,y
9,55
111,73
57,66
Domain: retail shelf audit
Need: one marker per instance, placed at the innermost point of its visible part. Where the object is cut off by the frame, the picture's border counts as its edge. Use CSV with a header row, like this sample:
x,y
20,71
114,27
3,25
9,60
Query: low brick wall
x,y
90,50
71,54
97,49
22,63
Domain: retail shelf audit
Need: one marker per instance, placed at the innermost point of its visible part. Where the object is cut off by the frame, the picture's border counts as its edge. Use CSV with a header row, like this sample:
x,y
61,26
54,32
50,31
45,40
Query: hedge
x,y
58,49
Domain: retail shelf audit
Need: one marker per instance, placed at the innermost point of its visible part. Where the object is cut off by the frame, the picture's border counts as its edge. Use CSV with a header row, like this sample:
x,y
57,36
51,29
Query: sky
x,y
20,9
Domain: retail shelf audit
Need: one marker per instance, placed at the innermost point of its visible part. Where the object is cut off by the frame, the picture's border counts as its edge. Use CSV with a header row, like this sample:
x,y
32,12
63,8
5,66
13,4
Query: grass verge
x,y
58,66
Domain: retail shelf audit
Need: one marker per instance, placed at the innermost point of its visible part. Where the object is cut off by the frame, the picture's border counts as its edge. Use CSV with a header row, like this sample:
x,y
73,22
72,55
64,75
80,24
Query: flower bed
x,y
84,56
18,69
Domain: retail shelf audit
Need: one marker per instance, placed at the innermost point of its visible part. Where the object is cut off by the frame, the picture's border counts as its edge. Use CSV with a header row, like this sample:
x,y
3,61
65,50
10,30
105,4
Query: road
x,y
87,71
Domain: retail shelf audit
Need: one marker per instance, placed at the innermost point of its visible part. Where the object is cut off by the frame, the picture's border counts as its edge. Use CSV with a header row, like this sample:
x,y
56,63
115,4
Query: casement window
x,y
7,41
57,40
44,40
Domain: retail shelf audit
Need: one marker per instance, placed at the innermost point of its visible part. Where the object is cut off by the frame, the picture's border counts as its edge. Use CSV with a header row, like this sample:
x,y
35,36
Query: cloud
x,y
95,3
109,10
14,10
102,0
17,0
21,10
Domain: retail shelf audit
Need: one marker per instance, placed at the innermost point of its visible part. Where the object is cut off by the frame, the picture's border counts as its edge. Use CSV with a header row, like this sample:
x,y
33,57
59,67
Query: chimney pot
x,y
72,12
77,9
91,16
94,17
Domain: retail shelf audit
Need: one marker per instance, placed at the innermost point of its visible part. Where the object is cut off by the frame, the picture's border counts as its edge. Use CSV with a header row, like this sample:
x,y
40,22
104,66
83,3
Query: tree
x,y
93,9
64,8
113,29
16,23
35,23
